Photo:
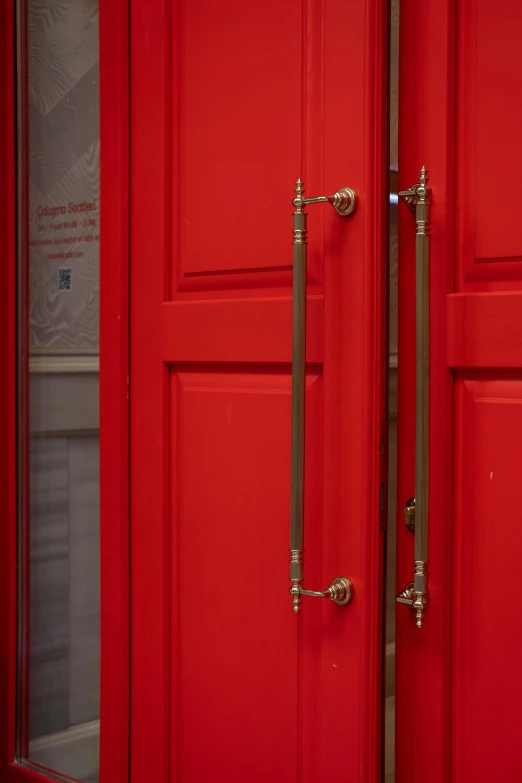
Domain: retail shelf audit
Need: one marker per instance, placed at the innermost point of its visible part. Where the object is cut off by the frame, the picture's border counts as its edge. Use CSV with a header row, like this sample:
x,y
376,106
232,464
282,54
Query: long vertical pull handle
x,y
340,590
418,198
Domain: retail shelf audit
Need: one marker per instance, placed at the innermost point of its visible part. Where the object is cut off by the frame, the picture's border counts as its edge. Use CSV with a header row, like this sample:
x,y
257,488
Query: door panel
x,y
487,686
488,256
238,103
228,110
465,664
484,339
230,495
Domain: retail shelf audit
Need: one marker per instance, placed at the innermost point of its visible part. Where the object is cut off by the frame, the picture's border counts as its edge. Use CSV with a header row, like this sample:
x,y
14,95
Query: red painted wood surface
x,y
235,326
7,389
227,110
458,684
487,547
479,330
426,121
114,392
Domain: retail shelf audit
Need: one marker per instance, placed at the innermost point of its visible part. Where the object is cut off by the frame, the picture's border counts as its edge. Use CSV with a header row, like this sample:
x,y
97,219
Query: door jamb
x,y
114,396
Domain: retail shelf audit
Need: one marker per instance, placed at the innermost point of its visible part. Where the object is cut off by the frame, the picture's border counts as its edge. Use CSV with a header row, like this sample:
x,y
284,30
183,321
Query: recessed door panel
x,y
487,687
487,150
237,106
229,495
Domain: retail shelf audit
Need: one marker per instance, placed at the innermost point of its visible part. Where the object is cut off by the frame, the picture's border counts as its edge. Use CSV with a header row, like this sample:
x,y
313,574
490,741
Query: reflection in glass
x,y
59,439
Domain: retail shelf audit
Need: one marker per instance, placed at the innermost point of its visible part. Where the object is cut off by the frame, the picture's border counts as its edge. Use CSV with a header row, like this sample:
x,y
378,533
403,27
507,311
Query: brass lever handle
x,y
339,591
418,198
344,202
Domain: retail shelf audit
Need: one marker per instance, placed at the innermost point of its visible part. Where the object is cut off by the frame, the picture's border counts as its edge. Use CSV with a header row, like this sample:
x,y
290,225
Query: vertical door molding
x,y
426,138
151,107
114,390
7,387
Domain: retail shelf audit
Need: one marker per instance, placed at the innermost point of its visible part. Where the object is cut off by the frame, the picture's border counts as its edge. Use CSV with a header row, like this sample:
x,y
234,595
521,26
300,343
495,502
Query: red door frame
x,y
150,119
426,137
7,386
114,391
114,402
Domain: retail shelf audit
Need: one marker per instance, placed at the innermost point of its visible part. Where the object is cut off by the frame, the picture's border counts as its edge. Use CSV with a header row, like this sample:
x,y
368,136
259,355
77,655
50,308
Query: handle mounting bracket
x,y
415,594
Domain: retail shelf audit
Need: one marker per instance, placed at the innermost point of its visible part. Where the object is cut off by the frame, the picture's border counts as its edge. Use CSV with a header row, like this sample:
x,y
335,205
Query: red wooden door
x,y
230,103
459,681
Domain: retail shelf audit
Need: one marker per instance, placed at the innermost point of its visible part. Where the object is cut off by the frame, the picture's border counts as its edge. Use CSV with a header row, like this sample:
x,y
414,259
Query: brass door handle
x,y
344,202
415,594
339,591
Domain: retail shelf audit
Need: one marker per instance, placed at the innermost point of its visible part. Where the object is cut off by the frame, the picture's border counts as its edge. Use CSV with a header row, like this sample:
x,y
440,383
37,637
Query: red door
x,y
459,681
231,102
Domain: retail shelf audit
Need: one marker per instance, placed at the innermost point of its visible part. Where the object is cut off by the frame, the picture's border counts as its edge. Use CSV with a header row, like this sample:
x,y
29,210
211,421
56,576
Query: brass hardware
x,y
418,198
296,576
340,590
406,596
409,514
416,599
344,202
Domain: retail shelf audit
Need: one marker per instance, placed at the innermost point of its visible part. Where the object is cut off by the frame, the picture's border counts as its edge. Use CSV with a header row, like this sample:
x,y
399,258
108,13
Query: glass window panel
x,y
59,677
